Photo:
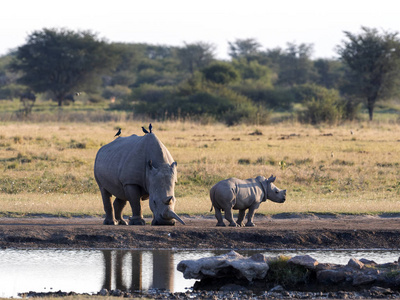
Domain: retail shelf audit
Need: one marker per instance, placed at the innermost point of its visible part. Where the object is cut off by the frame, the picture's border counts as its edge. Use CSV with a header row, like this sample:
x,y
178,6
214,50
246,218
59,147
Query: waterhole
x,y
89,271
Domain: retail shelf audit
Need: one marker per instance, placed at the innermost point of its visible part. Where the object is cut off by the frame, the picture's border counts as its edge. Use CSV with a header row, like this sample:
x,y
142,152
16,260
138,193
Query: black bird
x,y
144,130
118,133
150,127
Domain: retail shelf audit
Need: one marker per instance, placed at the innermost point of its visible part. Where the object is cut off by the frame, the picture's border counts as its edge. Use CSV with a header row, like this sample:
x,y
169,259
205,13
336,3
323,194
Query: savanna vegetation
x,y
164,82
353,168
327,128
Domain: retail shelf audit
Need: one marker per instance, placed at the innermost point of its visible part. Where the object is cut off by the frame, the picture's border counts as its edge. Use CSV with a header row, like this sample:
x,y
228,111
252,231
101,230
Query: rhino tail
x,y
212,198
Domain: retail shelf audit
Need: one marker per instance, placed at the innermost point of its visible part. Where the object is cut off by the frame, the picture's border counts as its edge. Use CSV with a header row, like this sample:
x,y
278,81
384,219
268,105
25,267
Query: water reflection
x,y
88,271
125,270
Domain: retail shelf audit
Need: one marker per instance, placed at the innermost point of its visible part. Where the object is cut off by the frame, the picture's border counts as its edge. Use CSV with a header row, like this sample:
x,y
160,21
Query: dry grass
x,y
48,167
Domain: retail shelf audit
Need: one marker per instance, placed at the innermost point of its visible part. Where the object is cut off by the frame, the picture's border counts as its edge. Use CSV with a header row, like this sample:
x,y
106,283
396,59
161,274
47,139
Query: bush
x,y
220,73
321,111
275,98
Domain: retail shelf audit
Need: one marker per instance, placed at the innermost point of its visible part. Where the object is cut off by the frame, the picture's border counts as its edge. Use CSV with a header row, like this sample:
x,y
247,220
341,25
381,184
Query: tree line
x,y
161,81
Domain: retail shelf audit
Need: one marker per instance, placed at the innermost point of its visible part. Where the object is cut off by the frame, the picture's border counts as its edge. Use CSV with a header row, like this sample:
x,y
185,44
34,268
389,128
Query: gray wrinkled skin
x,y
132,169
241,194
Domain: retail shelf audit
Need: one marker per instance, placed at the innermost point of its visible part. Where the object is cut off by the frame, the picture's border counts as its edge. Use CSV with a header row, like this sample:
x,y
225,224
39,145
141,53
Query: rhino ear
x,y
150,164
271,178
174,164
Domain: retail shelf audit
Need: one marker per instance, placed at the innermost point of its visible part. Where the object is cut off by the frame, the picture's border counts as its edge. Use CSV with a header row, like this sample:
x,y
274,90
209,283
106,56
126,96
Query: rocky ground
x,y
311,231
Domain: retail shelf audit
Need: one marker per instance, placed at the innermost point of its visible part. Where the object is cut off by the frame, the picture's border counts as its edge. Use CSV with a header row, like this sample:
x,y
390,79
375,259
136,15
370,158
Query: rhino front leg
x,y
119,205
241,215
108,208
218,216
133,194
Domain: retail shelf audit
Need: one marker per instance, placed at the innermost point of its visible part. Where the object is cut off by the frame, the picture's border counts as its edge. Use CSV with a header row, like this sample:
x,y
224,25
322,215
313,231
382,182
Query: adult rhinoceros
x,y
137,168
241,194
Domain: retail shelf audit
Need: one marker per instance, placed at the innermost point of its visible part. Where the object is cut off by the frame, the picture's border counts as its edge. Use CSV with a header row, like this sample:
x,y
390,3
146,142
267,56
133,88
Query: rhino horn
x,y
173,215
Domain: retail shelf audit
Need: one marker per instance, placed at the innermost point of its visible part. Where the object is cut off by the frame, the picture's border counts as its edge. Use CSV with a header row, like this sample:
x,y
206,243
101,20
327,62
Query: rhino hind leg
x,y
229,218
119,205
241,215
218,216
108,208
250,216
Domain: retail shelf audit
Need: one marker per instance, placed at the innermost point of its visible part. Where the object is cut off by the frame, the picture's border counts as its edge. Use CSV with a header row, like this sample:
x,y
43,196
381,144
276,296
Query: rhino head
x,y
272,192
161,185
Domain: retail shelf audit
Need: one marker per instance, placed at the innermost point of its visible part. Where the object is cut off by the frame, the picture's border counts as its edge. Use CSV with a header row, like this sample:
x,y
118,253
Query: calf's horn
x,y
173,215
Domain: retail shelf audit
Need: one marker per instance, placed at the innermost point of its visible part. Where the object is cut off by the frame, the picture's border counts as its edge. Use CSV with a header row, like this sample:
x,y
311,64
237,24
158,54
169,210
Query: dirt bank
x,y
276,232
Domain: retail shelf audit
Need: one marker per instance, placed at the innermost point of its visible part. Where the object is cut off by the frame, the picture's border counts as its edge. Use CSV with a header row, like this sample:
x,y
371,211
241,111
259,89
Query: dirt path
x,y
290,231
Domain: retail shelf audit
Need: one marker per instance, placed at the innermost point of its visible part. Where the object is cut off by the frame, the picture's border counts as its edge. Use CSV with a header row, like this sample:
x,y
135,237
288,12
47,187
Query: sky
x,y
176,22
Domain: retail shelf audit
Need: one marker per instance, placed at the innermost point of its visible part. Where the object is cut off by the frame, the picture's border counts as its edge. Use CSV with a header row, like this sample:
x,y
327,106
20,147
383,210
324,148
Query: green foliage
x,y
116,91
285,274
321,104
243,48
321,111
373,62
62,61
220,73
263,93
196,56
253,70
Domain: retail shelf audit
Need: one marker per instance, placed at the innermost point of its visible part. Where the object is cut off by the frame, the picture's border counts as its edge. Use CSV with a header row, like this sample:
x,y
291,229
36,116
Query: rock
x,y
355,264
377,291
232,288
331,276
116,293
231,263
103,292
367,261
305,261
360,279
277,289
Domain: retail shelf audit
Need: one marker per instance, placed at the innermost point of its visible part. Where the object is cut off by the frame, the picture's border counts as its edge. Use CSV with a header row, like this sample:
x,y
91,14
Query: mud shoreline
x,y
309,231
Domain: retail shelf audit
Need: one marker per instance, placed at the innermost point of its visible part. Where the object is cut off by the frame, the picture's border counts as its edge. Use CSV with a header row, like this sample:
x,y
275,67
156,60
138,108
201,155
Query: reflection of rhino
x,y
137,168
240,194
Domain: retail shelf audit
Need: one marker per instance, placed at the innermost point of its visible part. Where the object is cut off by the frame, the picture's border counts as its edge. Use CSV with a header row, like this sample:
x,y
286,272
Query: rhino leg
x,y
119,205
133,194
229,218
108,208
241,215
250,216
218,215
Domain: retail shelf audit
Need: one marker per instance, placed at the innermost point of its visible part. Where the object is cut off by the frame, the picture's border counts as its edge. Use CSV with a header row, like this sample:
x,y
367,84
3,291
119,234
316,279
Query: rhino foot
x,y
234,224
122,222
250,224
221,224
137,222
110,222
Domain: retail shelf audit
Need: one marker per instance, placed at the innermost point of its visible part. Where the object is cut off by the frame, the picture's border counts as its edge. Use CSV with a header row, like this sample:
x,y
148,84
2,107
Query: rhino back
x,y
124,160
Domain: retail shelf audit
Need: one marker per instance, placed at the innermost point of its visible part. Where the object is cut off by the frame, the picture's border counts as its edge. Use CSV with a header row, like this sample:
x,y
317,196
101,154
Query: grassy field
x,y
353,168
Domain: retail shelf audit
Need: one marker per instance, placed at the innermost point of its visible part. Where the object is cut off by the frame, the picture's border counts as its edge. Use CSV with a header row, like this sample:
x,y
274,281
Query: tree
x,y
295,64
62,61
373,60
196,56
243,48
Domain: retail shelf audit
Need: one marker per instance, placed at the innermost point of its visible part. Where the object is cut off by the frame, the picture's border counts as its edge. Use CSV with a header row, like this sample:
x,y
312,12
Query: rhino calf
x,y
240,194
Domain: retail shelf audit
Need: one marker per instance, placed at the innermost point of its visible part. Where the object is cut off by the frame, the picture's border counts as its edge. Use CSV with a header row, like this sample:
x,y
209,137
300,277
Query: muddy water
x,y
89,271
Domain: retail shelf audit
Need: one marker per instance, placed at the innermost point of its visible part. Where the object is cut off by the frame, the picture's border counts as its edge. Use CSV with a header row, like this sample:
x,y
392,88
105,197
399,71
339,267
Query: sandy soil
x,y
276,232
